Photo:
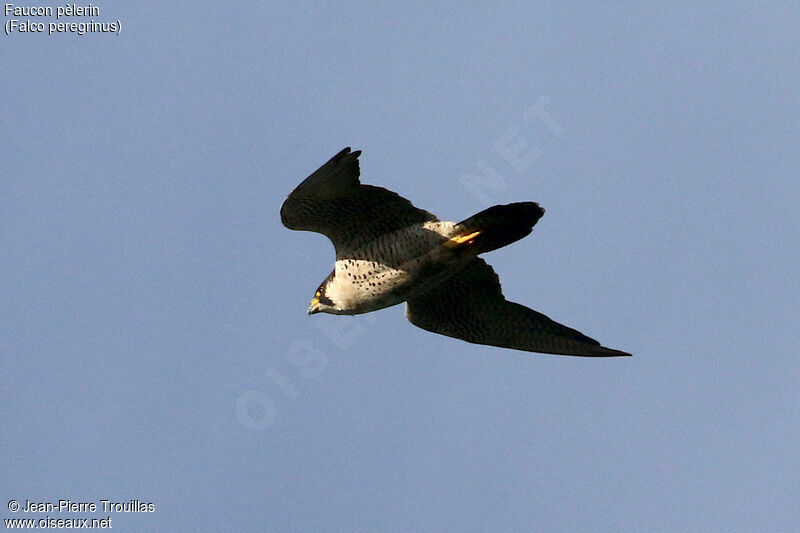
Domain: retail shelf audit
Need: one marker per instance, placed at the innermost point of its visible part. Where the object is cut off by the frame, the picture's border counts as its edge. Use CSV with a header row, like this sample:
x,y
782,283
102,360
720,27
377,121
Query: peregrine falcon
x,y
388,252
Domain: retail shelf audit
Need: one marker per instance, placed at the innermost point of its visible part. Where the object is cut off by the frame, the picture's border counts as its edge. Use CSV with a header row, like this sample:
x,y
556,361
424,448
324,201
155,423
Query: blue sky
x,y
154,332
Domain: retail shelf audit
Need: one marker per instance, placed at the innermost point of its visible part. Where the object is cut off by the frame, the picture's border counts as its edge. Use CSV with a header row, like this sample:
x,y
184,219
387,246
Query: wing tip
x,y
611,352
347,151
592,351
595,349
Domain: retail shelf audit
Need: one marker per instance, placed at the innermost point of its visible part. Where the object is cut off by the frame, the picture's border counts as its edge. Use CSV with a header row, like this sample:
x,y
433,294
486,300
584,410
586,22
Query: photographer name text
x,y
69,506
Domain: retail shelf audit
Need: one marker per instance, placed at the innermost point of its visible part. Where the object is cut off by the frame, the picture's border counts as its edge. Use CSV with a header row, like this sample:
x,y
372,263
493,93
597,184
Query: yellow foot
x,y
455,241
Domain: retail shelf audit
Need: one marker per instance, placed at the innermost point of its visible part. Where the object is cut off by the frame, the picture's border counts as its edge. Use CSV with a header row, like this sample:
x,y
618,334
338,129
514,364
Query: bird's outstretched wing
x,y
332,201
470,306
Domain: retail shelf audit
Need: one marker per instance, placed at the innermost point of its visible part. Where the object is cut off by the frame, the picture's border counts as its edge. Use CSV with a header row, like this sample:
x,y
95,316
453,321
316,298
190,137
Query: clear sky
x,y
153,328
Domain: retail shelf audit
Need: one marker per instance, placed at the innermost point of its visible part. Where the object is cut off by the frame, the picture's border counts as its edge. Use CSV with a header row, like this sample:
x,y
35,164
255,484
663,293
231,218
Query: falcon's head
x,y
323,300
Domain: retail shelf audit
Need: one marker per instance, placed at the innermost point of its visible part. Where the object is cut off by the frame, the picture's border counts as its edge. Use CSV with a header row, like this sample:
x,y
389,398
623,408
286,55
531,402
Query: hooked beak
x,y
314,306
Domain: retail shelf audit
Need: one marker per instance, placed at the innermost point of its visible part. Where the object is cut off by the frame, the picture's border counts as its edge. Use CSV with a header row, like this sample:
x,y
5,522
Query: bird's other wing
x,y
470,306
332,201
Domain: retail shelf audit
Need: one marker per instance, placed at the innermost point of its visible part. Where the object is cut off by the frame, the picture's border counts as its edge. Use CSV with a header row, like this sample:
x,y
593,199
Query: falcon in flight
x,y
388,252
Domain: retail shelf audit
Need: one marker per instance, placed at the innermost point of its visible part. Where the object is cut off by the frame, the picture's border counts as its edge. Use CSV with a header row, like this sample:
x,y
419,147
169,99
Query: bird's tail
x,y
493,228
